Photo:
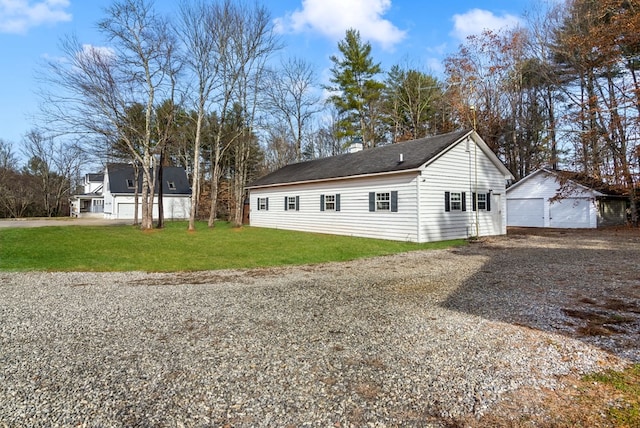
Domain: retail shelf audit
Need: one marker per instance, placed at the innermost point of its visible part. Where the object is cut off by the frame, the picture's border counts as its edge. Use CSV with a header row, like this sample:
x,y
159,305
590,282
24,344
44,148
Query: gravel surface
x,y
416,339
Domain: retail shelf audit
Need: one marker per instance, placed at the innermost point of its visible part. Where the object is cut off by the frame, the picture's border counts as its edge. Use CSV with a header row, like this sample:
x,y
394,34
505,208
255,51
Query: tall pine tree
x,y
357,94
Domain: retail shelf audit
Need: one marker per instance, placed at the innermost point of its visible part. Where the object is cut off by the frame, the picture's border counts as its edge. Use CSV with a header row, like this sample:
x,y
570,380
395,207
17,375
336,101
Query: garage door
x,y
569,213
525,212
126,210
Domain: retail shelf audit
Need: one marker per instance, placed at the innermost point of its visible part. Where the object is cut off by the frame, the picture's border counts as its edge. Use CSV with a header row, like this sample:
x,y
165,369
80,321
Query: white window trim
x,y
329,202
291,203
382,199
457,201
481,204
262,204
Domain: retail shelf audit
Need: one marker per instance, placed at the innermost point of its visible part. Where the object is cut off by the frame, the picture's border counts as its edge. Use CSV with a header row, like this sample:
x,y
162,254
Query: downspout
x,y
475,156
418,203
475,206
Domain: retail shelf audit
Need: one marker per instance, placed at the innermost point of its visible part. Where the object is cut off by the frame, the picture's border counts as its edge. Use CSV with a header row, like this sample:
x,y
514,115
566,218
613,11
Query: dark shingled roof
x,y
119,173
369,161
95,177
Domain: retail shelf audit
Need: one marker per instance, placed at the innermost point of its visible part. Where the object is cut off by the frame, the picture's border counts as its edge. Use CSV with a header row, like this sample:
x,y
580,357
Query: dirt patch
x,y
606,233
589,401
597,299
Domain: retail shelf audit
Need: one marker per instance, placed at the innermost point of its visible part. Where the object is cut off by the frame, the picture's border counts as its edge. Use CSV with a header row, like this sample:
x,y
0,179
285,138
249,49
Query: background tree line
x,y
205,89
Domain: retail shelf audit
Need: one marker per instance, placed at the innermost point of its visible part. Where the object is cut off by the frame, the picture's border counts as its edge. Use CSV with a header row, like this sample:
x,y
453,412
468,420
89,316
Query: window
x,y
330,202
263,204
130,183
172,185
383,201
482,201
291,203
455,201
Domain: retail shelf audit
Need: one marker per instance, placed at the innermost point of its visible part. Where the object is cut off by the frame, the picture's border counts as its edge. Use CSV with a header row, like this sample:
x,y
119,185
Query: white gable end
x,y
540,200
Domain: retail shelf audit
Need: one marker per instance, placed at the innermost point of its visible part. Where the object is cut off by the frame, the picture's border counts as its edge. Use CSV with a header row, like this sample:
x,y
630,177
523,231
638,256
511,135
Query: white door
x,y
569,213
496,215
525,212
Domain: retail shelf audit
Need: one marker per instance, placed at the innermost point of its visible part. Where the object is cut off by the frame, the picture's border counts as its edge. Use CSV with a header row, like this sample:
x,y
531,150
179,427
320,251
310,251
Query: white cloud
x,y
18,16
476,21
332,18
102,52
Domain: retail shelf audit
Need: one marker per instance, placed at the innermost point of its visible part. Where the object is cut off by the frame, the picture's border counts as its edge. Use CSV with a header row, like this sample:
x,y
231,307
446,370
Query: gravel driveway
x,y
416,339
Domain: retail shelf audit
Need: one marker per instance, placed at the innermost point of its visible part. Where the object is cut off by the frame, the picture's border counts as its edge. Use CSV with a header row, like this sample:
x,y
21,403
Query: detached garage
x,y
563,199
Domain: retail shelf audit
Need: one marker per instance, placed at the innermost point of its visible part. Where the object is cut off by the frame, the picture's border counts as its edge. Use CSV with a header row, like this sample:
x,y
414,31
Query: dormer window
x,y
172,185
130,183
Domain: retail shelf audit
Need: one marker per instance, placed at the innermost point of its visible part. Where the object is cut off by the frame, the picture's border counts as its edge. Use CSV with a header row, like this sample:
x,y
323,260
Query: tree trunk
x,y
136,193
552,130
215,183
195,179
160,223
147,192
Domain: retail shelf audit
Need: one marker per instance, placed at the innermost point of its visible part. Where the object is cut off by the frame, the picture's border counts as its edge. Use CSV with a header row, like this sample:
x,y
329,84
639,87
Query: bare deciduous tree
x,y
101,83
291,100
203,35
55,165
253,44
15,197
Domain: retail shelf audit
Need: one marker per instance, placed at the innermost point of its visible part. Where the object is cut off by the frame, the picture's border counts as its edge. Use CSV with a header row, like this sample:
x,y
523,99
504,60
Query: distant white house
x,y
436,188
91,202
112,195
563,199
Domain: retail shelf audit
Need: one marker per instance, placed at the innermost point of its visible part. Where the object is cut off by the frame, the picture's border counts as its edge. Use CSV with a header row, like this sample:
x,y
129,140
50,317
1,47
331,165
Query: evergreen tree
x,y
357,93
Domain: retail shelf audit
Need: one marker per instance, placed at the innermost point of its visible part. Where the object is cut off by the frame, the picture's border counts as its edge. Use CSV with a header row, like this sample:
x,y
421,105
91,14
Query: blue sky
x,y
407,32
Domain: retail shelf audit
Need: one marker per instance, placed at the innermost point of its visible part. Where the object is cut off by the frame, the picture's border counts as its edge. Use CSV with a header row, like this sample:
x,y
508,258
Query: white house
x,y
90,203
114,197
436,188
563,199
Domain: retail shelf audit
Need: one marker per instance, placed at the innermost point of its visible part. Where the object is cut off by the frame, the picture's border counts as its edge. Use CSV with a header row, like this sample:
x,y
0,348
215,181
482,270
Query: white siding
x,y
542,185
454,171
176,207
353,219
122,207
92,186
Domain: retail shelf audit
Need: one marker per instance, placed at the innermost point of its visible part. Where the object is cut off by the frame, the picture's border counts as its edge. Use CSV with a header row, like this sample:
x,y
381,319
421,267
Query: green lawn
x,y
126,248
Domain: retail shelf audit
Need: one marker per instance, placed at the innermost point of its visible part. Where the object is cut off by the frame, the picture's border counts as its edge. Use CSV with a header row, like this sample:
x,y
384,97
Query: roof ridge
x,y
376,160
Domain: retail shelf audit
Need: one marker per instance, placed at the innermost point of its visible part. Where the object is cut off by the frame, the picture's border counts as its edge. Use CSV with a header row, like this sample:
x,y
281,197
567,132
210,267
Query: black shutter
x,y
488,201
321,202
338,202
475,201
372,201
464,201
267,204
297,203
286,204
447,205
394,201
